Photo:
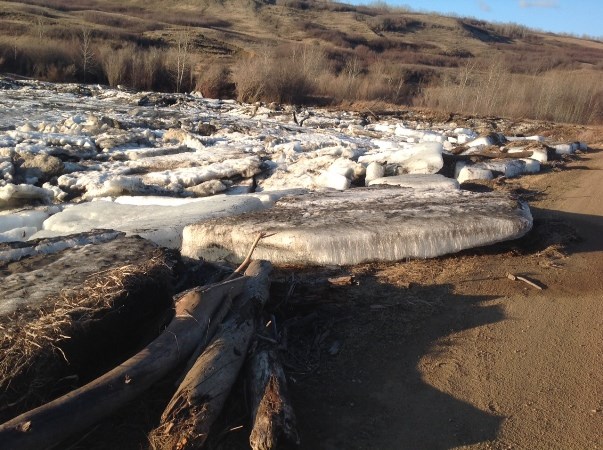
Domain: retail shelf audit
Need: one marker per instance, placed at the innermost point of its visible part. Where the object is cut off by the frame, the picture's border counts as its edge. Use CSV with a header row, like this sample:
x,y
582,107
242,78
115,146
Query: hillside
x,y
307,52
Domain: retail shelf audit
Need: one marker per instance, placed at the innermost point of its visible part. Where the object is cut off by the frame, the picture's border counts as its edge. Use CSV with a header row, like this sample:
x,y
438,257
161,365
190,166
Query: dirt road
x,y
473,359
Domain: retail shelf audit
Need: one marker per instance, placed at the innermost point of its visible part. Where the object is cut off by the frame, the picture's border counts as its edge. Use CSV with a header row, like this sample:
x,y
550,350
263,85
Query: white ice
x,y
21,194
363,224
158,223
469,173
54,245
111,146
416,181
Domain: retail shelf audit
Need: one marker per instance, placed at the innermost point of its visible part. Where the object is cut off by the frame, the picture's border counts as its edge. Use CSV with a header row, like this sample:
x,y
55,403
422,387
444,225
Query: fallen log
x,y
273,417
187,419
74,412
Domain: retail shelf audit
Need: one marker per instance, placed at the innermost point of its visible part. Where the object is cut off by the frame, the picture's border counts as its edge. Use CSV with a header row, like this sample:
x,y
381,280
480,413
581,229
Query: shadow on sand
x,y
373,395
577,232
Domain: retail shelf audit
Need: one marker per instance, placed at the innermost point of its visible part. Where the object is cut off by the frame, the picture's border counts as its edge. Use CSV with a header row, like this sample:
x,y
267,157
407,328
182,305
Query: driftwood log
x,y
273,417
200,397
74,412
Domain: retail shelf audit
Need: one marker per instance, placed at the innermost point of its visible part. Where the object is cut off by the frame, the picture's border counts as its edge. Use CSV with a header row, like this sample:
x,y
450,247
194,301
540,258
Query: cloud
x,y
484,6
538,3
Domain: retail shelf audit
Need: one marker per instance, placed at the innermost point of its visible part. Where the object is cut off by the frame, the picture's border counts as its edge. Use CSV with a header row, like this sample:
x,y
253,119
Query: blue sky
x,y
568,16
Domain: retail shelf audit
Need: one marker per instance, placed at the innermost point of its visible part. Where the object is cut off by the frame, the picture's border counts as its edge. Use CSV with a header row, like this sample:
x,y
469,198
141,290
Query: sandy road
x,y
501,365
539,368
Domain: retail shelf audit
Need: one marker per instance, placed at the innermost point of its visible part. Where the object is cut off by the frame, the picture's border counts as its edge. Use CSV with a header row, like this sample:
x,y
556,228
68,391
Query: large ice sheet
x,y
160,224
363,224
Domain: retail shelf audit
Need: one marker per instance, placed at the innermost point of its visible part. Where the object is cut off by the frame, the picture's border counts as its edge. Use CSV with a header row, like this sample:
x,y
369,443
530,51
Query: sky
x,y
561,16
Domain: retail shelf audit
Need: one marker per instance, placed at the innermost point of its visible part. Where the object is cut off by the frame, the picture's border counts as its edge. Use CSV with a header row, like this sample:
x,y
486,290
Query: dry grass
x,y
492,90
36,363
423,52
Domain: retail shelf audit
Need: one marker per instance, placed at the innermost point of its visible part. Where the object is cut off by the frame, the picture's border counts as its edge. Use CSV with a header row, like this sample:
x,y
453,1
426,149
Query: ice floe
x,y
159,223
365,224
163,161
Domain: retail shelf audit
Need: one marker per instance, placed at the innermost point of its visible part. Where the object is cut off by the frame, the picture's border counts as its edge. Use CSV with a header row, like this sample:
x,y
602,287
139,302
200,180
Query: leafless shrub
x,y
214,81
41,59
116,63
136,67
289,75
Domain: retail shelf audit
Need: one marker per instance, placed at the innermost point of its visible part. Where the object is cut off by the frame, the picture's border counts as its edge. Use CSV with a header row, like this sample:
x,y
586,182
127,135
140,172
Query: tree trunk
x,y
187,419
273,417
74,412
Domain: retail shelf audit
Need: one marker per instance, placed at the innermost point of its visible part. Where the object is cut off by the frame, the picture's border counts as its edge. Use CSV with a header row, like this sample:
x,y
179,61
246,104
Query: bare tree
x,y
86,52
181,63
40,28
15,47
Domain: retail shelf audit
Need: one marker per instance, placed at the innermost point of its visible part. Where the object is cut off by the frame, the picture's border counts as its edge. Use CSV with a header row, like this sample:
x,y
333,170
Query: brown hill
x,y
307,51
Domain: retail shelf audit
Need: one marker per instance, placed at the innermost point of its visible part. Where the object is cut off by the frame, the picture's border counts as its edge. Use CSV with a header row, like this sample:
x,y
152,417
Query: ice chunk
x,y
363,224
333,180
149,152
20,226
347,168
531,165
458,167
373,171
432,136
160,224
415,181
566,149
7,170
421,158
466,131
540,155
22,194
526,138
17,234
485,141
191,176
139,200
468,173
207,188
510,168
115,186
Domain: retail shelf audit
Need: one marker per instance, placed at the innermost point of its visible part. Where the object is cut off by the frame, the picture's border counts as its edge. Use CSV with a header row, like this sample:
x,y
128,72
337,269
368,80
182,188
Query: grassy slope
x,y
245,25
429,45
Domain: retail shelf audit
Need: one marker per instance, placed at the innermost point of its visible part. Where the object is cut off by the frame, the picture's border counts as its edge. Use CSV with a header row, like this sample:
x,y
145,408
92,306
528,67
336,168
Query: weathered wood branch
x,y
273,417
188,417
510,276
74,412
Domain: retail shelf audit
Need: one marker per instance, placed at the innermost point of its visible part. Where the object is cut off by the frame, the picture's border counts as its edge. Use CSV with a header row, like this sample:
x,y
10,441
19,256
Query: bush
x,y
214,82
290,75
47,60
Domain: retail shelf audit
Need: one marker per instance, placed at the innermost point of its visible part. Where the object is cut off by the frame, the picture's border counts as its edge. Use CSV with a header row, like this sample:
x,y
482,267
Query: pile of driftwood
x,y
211,334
